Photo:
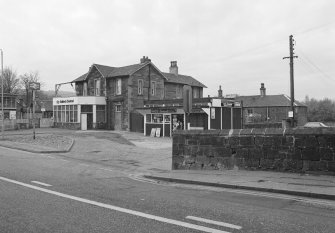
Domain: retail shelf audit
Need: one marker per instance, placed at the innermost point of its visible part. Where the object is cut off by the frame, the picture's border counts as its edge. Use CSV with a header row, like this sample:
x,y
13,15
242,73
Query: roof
x,y
267,101
182,79
108,71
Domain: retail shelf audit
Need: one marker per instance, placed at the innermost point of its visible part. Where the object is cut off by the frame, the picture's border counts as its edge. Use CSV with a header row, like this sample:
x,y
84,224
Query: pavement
x,y
151,158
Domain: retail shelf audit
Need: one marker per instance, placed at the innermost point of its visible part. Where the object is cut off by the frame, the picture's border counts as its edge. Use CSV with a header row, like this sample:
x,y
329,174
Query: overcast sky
x,y
237,44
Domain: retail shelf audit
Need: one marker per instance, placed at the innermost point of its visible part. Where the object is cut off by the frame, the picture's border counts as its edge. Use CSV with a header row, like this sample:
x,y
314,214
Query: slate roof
x,y
267,101
182,79
108,71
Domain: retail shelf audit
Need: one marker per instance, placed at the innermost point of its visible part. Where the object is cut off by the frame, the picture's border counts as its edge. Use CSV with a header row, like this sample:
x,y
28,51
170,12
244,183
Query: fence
x,y
26,123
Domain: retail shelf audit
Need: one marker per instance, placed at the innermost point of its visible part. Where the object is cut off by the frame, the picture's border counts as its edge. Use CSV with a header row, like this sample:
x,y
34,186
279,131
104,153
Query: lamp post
x,y
2,114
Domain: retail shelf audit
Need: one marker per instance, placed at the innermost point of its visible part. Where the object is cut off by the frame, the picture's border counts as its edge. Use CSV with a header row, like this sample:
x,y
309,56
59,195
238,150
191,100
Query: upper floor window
x,y
153,88
179,91
196,93
85,89
118,86
140,87
97,87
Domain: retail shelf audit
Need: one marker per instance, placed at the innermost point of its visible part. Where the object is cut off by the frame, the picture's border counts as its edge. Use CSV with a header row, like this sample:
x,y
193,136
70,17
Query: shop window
x,y
167,118
157,118
148,118
153,88
118,86
140,87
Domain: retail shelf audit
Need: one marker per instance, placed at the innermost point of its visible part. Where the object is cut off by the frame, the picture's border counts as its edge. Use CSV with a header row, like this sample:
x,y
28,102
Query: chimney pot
x,y
262,90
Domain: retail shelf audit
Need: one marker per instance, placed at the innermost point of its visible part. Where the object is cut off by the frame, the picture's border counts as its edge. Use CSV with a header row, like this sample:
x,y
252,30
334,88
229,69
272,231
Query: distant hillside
x,y
51,93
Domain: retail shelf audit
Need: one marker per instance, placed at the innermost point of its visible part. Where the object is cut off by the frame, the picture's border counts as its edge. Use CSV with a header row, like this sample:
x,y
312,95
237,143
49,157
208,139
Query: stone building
x,y
111,97
270,111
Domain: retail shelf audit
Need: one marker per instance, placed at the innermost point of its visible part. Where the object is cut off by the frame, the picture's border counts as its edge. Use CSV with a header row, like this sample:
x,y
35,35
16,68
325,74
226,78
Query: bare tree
x,y
26,78
11,83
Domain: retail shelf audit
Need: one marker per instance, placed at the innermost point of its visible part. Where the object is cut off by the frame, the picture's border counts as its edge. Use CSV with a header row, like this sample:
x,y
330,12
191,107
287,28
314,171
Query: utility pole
x,y
291,57
2,113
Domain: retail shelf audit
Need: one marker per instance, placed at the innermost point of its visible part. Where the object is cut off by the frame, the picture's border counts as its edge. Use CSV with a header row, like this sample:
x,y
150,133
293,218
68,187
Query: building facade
x,y
111,97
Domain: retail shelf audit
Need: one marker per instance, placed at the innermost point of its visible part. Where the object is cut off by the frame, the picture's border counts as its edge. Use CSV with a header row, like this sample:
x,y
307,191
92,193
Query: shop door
x,y
83,121
89,120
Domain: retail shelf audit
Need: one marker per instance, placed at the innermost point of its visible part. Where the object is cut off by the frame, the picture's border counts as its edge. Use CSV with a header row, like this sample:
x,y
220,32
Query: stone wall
x,y
292,150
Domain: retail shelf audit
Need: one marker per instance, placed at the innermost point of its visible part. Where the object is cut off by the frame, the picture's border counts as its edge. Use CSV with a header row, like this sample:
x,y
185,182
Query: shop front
x,y
161,122
79,112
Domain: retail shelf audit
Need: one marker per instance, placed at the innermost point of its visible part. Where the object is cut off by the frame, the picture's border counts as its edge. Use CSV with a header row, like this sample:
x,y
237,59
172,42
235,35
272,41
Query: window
x,y
140,87
250,111
153,88
97,87
118,108
100,113
118,86
85,89
179,91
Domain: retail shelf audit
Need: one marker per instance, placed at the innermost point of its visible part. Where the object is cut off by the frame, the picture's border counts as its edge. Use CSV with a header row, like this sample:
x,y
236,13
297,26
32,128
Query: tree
x,y
11,83
320,110
26,78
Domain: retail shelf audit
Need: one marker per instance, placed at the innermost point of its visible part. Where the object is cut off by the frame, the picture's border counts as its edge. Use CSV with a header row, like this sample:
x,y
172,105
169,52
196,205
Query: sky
x,y
237,44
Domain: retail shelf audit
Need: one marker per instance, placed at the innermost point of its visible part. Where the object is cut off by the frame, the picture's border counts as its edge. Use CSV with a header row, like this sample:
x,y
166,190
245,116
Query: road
x,y
51,193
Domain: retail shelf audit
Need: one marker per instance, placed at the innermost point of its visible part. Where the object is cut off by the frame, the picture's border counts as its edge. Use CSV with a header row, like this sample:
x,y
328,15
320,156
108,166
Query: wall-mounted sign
x,y
12,115
163,110
212,113
290,114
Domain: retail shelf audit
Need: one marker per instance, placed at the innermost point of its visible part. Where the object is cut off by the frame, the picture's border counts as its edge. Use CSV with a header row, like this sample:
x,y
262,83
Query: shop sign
x,y
212,113
65,101
163,110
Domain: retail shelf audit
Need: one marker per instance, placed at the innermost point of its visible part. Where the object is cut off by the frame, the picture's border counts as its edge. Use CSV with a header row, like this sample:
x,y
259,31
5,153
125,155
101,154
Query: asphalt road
x,y
50,193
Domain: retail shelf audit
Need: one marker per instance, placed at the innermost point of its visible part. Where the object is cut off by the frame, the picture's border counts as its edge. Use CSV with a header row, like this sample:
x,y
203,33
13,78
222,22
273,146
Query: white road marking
x,y
223,224
40,183
116,208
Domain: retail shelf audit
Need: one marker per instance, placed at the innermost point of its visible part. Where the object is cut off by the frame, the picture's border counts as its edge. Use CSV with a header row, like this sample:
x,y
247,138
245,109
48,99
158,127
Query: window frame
x,y
140,87
97,87
153,88
118,86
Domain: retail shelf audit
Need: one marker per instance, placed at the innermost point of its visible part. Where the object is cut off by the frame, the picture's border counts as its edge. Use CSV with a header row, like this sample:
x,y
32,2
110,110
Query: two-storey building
x,y
112,97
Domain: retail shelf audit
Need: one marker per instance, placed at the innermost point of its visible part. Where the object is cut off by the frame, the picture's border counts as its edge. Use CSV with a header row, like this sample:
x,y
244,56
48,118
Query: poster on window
x,y
12,115
212,113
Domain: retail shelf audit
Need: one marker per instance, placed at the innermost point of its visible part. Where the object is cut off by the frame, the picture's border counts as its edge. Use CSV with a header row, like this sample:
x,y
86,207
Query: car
x,y
315,125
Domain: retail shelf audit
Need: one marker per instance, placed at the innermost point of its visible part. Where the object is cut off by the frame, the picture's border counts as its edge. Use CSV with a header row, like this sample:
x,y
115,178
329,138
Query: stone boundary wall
x,y
291,150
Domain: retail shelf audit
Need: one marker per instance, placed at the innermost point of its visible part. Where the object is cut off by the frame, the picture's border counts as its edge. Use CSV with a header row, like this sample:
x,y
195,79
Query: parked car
x,y
315,125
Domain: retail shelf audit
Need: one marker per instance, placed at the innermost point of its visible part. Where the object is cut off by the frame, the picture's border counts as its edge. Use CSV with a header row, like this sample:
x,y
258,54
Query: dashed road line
x,y
41,183
222,224
116,208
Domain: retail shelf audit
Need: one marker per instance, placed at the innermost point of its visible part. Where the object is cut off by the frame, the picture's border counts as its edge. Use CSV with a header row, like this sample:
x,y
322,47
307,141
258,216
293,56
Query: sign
x,y
163,110
153,132
12,115
290,114
34,85
158,132
65,101
43,109
212,113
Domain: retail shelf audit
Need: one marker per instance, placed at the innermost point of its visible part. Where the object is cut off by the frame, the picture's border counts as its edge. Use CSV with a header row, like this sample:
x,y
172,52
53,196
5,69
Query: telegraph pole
x,y
291,57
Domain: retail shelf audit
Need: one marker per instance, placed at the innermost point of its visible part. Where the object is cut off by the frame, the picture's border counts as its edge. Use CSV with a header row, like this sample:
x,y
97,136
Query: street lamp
x,y
2,118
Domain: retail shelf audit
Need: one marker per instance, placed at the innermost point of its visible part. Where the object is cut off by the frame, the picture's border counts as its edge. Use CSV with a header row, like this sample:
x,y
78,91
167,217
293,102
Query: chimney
x,y
263,90
220,92
174,68
144,59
